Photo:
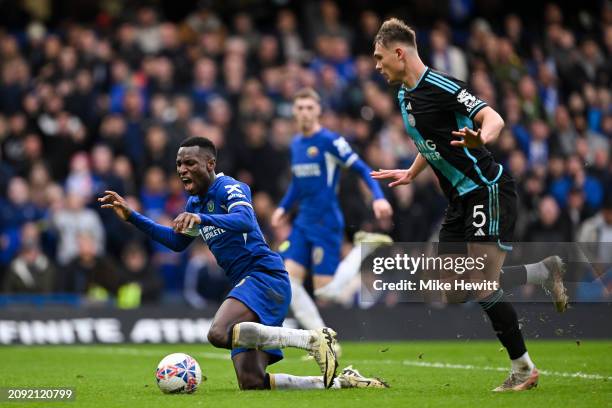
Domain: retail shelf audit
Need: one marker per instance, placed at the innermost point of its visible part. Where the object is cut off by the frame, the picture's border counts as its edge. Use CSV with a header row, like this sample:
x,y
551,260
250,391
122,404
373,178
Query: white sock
x,y
346,271
257,336
294,382
536,273
304,308
523,364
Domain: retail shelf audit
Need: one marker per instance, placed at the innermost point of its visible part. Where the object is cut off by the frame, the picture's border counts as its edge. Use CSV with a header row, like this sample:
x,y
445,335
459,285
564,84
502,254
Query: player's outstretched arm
x,y
401,176
491,124
117,203
241,218
164,235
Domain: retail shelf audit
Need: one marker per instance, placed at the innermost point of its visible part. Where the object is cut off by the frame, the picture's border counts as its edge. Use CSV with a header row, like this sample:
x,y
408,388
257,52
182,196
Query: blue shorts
x,y
268,295
316,249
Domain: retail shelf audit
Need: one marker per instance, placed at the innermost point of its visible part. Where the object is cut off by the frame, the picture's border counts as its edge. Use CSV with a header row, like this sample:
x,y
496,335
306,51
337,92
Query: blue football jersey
x,y
316,162
238,253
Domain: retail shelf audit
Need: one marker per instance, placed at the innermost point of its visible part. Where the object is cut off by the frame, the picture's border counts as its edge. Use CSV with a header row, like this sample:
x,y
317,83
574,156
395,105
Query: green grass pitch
x,y
422,374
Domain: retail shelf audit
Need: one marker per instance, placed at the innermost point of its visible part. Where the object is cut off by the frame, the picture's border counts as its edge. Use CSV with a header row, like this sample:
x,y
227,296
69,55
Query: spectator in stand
x,y
445,57
140,283
154,192
550,225
89,273
73,220
31,271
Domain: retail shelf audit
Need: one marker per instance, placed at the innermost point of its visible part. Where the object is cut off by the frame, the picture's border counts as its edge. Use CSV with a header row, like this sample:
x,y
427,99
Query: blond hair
x,y
395,30
307,93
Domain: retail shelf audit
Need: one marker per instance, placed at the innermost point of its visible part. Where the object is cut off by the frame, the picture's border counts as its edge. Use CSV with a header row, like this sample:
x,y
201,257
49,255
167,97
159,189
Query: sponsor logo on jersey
x,y
344,149
428,149
317,255
468,100
234,191
479,233
232,188
306,170
411,120
312,151
208,232
284,246
408,106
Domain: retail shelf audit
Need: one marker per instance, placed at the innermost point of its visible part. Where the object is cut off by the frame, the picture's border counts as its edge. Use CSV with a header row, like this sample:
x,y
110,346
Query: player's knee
x,y
252,381
218,336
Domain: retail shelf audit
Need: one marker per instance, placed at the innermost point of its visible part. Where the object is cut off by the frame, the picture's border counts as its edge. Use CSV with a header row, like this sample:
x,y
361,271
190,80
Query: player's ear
x,y
211,163
399,53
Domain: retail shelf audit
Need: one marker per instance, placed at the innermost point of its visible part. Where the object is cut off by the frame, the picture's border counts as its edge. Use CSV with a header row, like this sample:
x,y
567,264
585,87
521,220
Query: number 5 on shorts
x,y
478,213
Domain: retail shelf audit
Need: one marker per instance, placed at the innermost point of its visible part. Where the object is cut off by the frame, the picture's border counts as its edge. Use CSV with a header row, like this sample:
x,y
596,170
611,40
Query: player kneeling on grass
x,y
249,320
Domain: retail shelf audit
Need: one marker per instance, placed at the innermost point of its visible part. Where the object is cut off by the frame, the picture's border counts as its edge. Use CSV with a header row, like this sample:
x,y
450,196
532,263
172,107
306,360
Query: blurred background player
x,y
450,127
317,155
249,321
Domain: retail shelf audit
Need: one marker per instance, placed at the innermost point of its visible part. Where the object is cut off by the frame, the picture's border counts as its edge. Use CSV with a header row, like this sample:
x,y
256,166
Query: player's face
x,y
195,167
388,63
306,112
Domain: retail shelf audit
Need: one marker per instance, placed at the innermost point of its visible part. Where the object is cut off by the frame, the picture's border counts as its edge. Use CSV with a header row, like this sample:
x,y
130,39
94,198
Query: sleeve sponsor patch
x,y
468,100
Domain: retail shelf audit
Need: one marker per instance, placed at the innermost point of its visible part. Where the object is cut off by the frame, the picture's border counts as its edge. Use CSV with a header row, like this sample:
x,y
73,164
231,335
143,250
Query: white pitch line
x,y
503,369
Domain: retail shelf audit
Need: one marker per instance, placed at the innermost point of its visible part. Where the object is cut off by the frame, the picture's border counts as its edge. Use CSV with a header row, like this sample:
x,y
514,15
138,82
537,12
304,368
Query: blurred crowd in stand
x,y
99,104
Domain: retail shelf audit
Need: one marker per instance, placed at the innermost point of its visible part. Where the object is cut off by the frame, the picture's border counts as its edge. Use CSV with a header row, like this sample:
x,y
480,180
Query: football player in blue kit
x,y
317,157
249,321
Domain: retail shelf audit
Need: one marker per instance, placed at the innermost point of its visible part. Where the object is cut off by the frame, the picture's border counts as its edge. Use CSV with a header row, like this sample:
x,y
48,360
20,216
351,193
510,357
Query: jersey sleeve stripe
x,y
443,80
352,159
232,205
476,109
438,84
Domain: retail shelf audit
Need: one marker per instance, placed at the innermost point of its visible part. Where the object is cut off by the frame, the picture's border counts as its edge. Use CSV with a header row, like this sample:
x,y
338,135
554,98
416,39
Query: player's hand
x,y
185,221
277,217
117,203
382,209
468,138
400,176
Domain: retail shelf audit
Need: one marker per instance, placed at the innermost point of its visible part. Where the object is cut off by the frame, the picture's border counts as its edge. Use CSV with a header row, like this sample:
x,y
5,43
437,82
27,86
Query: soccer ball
x,y
178,373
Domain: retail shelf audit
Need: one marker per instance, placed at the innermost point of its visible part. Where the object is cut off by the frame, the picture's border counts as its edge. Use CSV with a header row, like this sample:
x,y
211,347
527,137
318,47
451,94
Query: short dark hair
x,y
393,30
201,142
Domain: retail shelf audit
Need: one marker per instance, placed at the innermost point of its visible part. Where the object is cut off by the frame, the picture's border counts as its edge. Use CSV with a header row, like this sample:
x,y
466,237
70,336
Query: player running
x,y
450,127
317,155
249,320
